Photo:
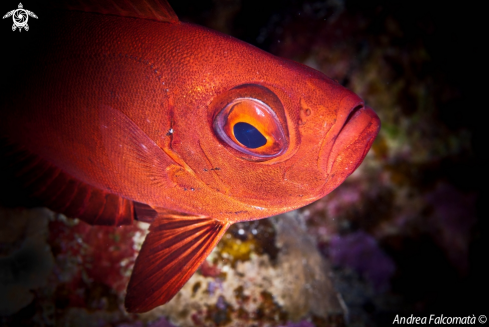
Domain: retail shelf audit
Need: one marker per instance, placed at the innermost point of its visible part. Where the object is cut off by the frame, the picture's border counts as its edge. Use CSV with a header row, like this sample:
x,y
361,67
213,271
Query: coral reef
x,y
270,274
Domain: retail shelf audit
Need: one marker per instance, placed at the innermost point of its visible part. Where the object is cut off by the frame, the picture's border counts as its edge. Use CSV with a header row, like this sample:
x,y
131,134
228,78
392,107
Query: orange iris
x,y
257,114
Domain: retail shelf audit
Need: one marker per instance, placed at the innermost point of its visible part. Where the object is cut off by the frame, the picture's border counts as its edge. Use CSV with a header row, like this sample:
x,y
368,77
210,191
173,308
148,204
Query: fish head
x,y
267,132
285,140
333,131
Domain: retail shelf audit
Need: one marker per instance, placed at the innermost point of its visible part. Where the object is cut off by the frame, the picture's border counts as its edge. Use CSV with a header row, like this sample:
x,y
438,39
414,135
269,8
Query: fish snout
x,y
348,142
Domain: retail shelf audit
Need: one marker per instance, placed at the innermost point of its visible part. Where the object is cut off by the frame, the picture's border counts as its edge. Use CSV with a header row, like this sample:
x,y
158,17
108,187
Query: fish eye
x,y
250,126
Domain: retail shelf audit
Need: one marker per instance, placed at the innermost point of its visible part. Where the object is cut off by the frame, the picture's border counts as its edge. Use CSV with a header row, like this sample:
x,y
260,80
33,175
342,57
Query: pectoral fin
x,y
173,250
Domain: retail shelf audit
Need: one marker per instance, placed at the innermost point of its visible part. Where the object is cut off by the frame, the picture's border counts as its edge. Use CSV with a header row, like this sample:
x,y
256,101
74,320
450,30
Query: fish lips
x,y
358,126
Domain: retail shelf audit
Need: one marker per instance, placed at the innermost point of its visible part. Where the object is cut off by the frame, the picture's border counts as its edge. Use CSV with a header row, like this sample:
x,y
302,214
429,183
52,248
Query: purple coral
x,y
360,252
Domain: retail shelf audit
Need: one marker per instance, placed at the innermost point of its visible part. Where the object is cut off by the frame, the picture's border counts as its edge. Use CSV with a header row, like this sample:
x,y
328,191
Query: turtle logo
x,y
20,17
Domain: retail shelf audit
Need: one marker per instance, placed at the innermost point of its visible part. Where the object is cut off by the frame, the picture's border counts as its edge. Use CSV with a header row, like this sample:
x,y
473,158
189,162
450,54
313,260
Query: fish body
x,y
122,118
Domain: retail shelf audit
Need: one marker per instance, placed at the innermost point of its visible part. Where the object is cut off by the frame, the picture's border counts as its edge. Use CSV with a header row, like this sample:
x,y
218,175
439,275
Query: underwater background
x,y
405,234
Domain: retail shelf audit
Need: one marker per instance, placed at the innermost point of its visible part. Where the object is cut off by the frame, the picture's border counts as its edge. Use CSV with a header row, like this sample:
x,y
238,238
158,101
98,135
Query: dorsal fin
x,y
159,10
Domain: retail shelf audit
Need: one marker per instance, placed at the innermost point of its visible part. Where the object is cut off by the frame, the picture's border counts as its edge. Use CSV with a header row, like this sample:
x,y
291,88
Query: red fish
x,y
127,113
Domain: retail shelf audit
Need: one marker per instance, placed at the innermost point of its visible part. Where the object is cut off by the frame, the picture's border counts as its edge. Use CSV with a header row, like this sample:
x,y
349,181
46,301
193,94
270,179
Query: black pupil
x,y
249,136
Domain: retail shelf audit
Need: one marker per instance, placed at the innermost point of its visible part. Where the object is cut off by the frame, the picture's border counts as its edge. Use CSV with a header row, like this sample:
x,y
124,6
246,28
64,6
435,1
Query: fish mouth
x,y
353,140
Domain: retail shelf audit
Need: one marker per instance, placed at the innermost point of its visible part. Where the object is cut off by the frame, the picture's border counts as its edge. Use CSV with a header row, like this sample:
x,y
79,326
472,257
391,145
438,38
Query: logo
x,y
20,17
